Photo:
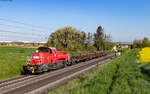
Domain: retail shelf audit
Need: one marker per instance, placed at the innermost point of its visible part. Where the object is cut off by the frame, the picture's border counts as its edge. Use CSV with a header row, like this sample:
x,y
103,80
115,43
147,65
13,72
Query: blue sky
x,y
124,20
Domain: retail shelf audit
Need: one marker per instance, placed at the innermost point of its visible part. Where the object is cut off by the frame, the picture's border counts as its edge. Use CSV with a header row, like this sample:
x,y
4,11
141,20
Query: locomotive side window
x,y
43,50
54,51
50,51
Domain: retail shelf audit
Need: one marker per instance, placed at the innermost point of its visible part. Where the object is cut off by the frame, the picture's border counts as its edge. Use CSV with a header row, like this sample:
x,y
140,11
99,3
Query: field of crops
x,y
144,55
122,75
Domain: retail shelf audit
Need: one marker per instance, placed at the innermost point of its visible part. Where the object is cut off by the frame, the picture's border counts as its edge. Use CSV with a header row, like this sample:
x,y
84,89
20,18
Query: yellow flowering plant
x,y
144,55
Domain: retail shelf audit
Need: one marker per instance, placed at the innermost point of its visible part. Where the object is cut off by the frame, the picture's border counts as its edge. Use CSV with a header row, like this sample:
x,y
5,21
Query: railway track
x,y
11,79
15,80
36,84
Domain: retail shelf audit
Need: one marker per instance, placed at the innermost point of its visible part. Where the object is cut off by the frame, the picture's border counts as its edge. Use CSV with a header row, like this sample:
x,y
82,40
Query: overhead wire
x,y
26,24
18,37
24,33
32,28
20,27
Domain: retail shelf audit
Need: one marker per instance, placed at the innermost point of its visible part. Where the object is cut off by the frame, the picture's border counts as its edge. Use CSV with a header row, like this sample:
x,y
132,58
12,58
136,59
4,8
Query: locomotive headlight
x,y
36,57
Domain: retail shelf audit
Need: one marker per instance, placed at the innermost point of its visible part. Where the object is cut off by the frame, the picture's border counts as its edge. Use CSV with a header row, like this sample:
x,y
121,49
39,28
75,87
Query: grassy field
x,y
12,59
123,75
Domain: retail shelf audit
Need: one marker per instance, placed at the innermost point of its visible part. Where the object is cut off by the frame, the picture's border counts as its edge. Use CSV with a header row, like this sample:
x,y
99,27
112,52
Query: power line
x,y
22,33
25,35
21,27
25,38
26,24
18,37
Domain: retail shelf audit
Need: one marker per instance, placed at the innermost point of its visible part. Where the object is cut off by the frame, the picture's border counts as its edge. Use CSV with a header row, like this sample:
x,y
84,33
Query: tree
x,y
89,42
89,39
99,38
145,42
68,38
48,44
137,44
108,42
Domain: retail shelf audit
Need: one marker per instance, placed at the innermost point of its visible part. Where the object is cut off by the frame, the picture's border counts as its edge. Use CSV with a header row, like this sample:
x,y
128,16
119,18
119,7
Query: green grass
x,y
119,76
146,70
12,59
110,52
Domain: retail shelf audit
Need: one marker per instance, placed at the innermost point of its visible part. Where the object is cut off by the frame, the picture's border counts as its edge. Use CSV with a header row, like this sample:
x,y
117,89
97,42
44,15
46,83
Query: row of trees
x,y
141,43
69,38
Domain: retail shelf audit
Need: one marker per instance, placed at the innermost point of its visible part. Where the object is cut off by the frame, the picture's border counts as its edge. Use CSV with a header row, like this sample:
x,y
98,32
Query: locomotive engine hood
x,y
37,58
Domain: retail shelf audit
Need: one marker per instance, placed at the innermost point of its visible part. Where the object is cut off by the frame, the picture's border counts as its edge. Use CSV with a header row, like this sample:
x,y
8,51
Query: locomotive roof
x,y
47,47
51,47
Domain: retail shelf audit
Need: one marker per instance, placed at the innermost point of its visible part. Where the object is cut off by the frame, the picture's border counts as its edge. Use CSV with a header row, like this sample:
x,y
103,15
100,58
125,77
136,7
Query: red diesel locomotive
x,y
45,59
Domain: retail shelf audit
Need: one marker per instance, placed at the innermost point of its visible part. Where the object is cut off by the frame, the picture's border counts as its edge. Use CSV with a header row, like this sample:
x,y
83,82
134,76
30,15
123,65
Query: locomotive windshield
x,y
43,50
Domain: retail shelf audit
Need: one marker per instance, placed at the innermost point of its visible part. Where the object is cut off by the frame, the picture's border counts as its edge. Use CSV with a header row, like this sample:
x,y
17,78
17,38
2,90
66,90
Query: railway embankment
x,y
122,75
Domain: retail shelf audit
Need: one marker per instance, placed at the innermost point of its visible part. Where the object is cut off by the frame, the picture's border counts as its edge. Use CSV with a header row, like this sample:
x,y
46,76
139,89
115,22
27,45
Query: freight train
x,y
48,58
